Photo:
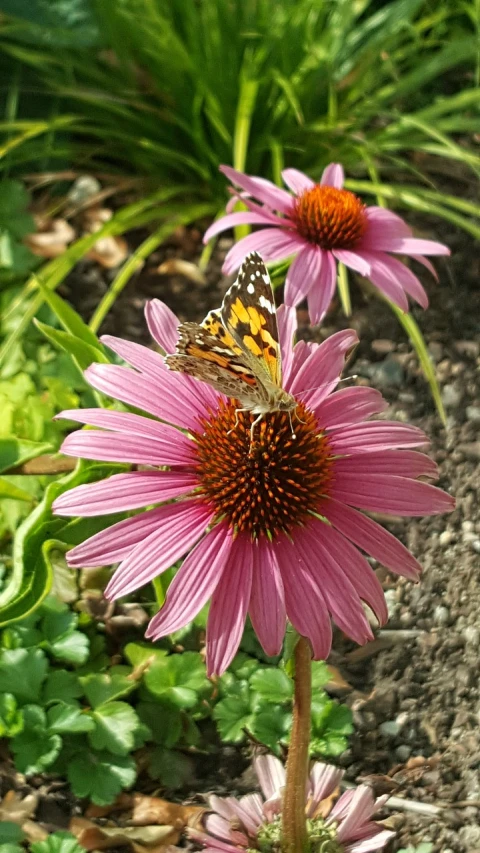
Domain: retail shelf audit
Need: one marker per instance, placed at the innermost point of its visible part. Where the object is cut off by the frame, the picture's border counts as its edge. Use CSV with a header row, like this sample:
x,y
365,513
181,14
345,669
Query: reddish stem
x,y
294,825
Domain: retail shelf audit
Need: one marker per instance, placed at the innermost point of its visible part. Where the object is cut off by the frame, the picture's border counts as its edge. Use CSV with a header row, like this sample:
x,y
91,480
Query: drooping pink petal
x,y
114,447
404,463
383,223
333,176
305,603
372,538
353,259
116,542
392,495
162,324
274,244
180,527
322,292
194,583
248,811
410,246
353,565
338,592
427,264
134,426
228,609
350,406
320,372
264,191
406,278
324,778
271,774
303,274
360,809
297,181
144,359
376,435
243,217
377,841
287,326
163,397
124,492
381,276
267,602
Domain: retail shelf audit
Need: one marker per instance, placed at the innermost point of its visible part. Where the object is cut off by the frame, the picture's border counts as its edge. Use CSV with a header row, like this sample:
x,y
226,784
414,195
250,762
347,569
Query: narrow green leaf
x,y
16,451
8,490
344,290
82,353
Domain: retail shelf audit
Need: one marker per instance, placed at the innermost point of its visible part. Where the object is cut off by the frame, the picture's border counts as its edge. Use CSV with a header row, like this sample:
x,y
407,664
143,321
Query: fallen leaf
x,y
109,252
176,266
16,808
93,837
51,239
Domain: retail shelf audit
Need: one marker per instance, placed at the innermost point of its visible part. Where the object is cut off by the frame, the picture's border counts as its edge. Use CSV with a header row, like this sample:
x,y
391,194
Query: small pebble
x,y
476,546
441,615
403,752
473,414
383,346
472,635
446,537
451,396
389,729
468,526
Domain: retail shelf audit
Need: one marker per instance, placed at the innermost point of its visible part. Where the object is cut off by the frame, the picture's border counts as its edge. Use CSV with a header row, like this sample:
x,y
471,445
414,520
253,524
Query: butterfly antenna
x,y
324,385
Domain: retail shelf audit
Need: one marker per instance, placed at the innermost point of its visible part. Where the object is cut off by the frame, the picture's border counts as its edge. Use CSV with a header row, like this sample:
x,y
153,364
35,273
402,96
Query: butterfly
x,y
236,348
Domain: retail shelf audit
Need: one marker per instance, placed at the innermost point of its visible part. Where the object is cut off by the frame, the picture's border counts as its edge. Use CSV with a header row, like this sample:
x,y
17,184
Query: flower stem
x,y
294,829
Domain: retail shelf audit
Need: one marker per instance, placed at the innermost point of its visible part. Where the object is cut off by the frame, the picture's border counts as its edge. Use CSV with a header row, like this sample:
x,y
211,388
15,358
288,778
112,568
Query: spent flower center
x,y
330,218
271,483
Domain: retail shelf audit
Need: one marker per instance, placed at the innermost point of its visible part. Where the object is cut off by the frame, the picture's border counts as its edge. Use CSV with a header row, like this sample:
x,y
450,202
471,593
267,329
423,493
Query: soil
x,y
416,699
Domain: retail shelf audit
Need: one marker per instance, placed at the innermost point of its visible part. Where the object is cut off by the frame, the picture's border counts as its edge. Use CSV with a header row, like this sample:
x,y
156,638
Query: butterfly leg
x,y
236,419
256,421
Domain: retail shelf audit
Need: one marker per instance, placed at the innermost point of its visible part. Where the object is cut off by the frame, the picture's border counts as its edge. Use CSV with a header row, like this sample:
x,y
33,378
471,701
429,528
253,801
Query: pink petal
x,y
352,259
333,176
260,189
271,774
427,264
303,274
352,565
124,492
297,181
406,279
381,276
305,602
324,778
194,583
116,542
372,538
135,426
391,495
144,359
321,294
349,406
405,463
164,397
111,447
320,373
267,602
181,525
287,326
376,435
244,217
377,841
162,324
274,244
361,807
410,246
385,224
228,609
339,593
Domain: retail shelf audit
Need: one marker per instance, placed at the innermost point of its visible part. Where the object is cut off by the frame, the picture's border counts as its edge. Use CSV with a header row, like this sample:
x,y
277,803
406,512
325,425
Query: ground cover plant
x,y
247,487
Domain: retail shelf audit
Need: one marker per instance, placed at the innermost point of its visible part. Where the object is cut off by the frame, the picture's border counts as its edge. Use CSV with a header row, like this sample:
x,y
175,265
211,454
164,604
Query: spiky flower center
x,y
268,484
322,837
330,218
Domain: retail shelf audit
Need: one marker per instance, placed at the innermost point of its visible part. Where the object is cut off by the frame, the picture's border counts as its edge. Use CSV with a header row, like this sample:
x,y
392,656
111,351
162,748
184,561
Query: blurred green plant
x,y
12,840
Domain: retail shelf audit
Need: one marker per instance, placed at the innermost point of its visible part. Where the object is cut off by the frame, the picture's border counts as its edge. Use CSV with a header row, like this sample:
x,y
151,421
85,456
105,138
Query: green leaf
x,y
178,679
61,686
16,451
58,842
321,675
271,726
69,319
233,714
14,200
115,726
164,722
11,719
67,719
14,493
271,685
100,775
11,848
83,354
35,748
22,672
103,687
10,832
171,768
61,638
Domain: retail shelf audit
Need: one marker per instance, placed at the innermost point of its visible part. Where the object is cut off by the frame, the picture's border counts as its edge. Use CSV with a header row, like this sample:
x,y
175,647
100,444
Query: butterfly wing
x,y
248,314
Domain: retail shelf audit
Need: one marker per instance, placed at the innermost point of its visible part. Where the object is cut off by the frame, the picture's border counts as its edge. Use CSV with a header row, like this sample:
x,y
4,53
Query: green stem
x,y
294,822
243,121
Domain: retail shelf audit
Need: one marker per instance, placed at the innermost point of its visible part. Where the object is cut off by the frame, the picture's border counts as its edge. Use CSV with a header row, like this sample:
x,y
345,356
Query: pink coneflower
x,y
321,224
254,822
271,528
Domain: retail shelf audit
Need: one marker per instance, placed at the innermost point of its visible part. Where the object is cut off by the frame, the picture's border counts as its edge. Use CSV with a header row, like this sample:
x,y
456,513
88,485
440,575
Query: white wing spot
x,y
265,303
251,288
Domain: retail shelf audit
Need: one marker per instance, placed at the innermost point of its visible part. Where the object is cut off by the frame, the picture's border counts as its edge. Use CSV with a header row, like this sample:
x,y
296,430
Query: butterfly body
x,y
236,349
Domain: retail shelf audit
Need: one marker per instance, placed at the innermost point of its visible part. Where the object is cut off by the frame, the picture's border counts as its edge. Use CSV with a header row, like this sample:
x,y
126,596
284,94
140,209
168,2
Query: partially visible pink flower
x,y
254,822
272,527
321,224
